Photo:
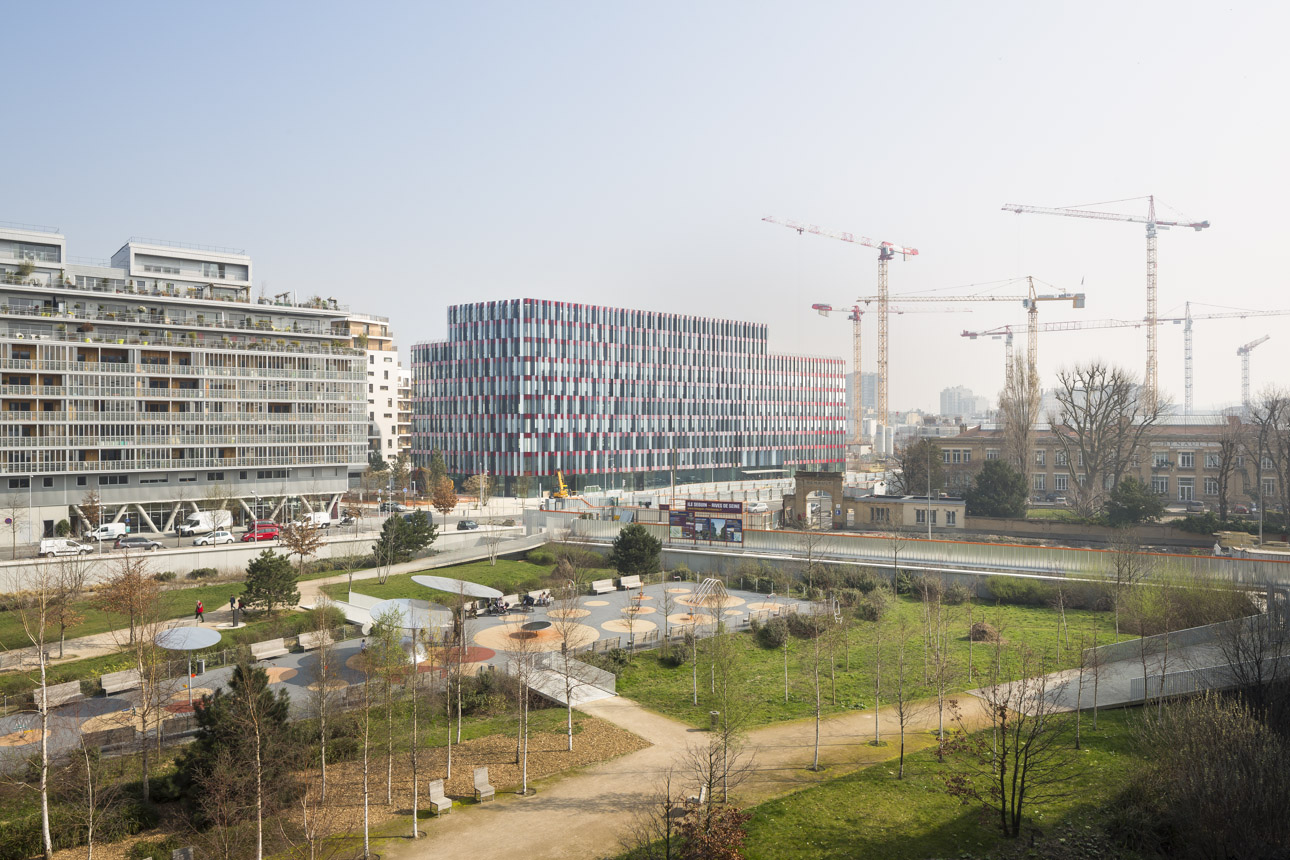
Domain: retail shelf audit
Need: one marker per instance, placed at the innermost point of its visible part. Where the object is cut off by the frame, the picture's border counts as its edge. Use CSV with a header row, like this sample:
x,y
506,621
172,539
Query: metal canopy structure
x,y
188,640
456,586
412,614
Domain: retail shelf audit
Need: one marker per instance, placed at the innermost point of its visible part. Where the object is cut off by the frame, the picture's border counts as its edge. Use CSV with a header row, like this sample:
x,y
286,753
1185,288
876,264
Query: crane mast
x,y
886,252
1244,353
1150,379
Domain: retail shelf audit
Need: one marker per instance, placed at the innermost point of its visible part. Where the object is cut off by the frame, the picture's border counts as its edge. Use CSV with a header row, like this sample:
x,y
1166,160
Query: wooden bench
x,y
440,803
314,639
115,682
602,586
268,648
483,791
627,583
59,694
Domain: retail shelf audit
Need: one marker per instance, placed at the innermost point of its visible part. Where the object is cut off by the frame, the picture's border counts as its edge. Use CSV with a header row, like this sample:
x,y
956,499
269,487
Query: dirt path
x,y
582,815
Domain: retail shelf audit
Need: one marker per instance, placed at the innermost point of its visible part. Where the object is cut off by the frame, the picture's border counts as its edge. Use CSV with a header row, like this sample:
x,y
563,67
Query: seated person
x,y
528,600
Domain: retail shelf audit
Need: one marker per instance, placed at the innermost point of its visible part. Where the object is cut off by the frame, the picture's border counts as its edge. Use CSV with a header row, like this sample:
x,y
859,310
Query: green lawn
x,y
1052,514
759,672
871,814
508,576
174,603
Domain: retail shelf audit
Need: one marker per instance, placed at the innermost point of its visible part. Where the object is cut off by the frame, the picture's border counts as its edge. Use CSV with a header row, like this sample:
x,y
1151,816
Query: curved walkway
x,y
606,797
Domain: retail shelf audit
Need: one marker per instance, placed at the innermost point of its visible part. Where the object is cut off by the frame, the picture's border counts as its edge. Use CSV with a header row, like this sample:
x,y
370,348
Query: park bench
x,y
511,600
59,694
314,639
115,682
268,648
440,803
602,586
701,799
629,582
483,791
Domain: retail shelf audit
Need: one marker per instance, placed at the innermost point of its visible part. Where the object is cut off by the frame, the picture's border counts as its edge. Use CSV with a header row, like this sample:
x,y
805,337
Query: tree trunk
x,y
46,840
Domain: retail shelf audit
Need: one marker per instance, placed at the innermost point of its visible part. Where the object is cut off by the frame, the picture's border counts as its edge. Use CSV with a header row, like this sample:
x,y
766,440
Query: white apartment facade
x,y
155,381
372,335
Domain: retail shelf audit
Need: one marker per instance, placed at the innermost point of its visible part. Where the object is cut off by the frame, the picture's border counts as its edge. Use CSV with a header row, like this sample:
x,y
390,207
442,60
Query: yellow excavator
x,y
561,490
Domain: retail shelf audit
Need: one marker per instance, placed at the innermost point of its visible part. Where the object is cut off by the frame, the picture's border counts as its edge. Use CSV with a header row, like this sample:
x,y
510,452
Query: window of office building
x,y
1211,486
1040,482
1186,460
1212,461
951,517
1160,485
1040,457
1059,482
1159,459
992,453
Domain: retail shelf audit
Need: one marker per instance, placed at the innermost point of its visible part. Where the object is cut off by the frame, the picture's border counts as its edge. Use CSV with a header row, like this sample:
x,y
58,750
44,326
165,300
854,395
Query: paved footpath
x,y
583,815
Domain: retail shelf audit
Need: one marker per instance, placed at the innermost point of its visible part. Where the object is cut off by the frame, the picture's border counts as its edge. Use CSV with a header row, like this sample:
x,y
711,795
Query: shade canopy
x,y
187,638
456,586
412,614
535,626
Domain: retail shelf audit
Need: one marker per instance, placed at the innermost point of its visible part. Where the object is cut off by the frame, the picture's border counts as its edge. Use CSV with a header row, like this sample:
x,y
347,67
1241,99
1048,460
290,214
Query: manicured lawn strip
x,y
508,576
174,603
760,672
1052,514
871,814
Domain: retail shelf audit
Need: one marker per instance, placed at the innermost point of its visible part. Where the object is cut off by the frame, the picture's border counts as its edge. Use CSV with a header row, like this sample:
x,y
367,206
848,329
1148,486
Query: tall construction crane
x,y
886,252
1032,333
1187,319
1151,379
854,314
1244,353
1030,301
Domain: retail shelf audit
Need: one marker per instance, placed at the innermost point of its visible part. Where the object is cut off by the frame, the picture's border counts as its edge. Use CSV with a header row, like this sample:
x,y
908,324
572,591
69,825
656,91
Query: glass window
x,y
1040,482
1160,485
1186,460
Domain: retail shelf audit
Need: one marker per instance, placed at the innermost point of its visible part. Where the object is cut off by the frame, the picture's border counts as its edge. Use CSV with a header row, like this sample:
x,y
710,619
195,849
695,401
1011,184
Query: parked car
x,y
269,532
1195,506
136,542
107,531
394,508
757,507
1059,500
214,538
258,525
50,547
346,520
1240,509
466,525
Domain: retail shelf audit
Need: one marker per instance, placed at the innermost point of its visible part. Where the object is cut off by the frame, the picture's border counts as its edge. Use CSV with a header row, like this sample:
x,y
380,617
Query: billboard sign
x,y
721,522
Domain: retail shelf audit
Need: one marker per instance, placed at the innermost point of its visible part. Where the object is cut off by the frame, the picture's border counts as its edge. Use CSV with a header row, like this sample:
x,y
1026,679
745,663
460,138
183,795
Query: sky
x,y
405,157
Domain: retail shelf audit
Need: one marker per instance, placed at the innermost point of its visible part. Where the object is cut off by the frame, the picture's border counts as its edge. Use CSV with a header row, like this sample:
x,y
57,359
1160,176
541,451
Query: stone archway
x,y
806,484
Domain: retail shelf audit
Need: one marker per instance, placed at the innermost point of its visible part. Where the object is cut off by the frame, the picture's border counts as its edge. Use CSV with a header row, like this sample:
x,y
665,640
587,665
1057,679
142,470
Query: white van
x,y
50,547
107,531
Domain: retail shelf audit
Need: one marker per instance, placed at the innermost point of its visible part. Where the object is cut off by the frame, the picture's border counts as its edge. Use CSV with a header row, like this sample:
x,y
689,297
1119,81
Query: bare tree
x,y
1232,444
1130,568
15,517
1271,419
1253,650
38,599
653,833
1104,420
906,707
136,592
481,487
71,576
521,662
718,764
91,792
821,621
92,509
943,668
385,652
1023,757
1019,411
566,613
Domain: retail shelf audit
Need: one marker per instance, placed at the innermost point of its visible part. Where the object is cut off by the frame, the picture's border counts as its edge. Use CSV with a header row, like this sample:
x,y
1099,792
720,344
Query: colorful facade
x,y
619,397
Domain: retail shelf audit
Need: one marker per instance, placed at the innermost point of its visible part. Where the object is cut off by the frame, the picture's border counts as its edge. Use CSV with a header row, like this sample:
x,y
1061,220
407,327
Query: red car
x,y
262,533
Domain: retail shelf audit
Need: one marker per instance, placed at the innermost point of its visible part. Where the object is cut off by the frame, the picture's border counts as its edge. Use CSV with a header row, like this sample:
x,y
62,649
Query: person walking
x,y
200,610
232,602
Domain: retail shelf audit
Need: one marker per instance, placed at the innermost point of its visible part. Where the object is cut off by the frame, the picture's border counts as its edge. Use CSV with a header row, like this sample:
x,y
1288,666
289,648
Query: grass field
x,y
871,814
1065,514
508,576
759,672
174,603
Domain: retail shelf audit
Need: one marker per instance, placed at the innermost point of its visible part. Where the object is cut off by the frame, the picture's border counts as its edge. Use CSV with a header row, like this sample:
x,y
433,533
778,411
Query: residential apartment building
x,y
156,381
959,402
1181,462
405,412
619,398
372,335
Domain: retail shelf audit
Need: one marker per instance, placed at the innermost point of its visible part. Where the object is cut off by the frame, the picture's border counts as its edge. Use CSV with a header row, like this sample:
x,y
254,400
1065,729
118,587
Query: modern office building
x,y
155,382
959,402
617,398
372,335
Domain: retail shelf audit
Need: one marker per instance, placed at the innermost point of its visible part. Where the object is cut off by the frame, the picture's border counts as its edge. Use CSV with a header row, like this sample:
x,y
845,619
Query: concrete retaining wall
x,y
1057,530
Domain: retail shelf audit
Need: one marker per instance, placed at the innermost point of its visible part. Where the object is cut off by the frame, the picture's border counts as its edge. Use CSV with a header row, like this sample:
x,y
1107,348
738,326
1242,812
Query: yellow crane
x,y
561,490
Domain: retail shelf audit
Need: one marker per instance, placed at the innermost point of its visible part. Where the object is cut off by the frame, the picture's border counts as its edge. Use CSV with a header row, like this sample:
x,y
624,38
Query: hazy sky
x,y
403,157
